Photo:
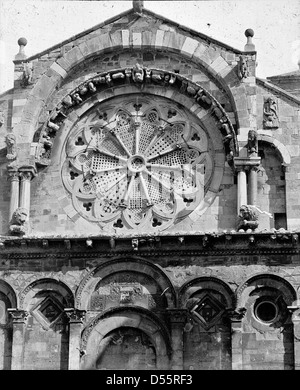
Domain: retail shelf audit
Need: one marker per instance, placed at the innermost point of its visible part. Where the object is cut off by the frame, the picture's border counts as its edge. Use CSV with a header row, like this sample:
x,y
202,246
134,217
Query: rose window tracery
x,y
138,160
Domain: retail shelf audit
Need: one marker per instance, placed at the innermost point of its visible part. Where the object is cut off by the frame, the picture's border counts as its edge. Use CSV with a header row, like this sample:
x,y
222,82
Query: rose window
x,y
133,161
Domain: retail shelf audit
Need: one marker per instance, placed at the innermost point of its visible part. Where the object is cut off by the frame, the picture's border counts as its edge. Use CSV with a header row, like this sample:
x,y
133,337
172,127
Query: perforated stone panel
x,y
137,160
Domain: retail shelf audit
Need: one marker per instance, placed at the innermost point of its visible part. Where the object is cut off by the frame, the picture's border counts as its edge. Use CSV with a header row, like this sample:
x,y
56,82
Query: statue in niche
x,y
248,218
252,145
242,68
138,73
19,221
270,117
10,140
27,75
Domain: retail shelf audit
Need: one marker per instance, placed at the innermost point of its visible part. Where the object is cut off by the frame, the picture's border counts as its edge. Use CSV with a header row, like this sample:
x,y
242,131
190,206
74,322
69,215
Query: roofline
x,y
274,87
131,10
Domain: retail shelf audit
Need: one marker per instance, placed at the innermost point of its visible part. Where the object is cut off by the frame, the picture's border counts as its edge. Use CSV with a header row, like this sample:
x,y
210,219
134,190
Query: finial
x,y
249,45
138,6
22,42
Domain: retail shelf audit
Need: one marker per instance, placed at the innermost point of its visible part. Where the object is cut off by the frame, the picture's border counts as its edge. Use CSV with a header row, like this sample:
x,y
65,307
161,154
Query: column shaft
x,y
25,190
253,186
242,189
14,192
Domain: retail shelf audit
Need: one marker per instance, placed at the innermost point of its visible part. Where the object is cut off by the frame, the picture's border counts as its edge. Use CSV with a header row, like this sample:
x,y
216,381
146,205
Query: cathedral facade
x,y
149,204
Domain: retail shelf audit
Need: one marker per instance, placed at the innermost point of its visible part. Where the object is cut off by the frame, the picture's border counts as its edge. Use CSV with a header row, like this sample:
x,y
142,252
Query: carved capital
x,y
26,176
13,174
178,316
18,316
236,315
75,315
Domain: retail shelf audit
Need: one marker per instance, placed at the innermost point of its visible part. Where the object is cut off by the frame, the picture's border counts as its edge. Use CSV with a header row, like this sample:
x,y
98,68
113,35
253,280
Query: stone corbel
x,y
75,315
18,316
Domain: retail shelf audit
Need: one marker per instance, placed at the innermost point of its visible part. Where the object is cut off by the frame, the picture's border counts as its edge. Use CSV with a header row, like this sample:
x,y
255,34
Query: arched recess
x,y
207,300
136,269
267,323
46,331
8,299
119,321
106,43
271,181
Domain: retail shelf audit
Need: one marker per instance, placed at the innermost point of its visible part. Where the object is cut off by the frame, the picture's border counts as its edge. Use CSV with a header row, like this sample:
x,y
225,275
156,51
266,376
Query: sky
x,y
44,23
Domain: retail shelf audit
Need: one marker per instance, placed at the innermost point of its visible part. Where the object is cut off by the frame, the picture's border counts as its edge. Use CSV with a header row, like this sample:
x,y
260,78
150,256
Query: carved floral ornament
x,y
139,160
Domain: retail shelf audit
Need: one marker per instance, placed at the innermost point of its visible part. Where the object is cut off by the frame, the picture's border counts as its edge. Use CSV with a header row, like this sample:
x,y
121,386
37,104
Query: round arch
x,y
128,317
206,282
48,284
88,284
265,280
9,292
282,150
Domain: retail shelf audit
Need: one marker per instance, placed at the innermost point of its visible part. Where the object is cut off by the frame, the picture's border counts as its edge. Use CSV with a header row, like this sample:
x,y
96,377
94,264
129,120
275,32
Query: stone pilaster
x,y
295,311
178,319
76,318
236,317
19,318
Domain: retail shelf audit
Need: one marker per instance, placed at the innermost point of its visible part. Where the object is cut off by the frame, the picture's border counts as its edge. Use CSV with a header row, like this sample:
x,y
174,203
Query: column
x,y
295,311
236,317
19,318
14,191
26,174
178,319
241,188
76,318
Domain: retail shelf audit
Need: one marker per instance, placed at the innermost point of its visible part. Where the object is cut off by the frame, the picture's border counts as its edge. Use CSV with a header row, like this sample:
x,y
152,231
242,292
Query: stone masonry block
x,y
146,38
189,47
125,38
63,63
219,64
44,87
137,40
116,39
58,69
176,41
159,39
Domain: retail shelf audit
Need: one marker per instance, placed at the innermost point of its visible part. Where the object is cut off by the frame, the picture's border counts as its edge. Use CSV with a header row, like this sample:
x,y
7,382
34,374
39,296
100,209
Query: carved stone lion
x,y
19,221
248,218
